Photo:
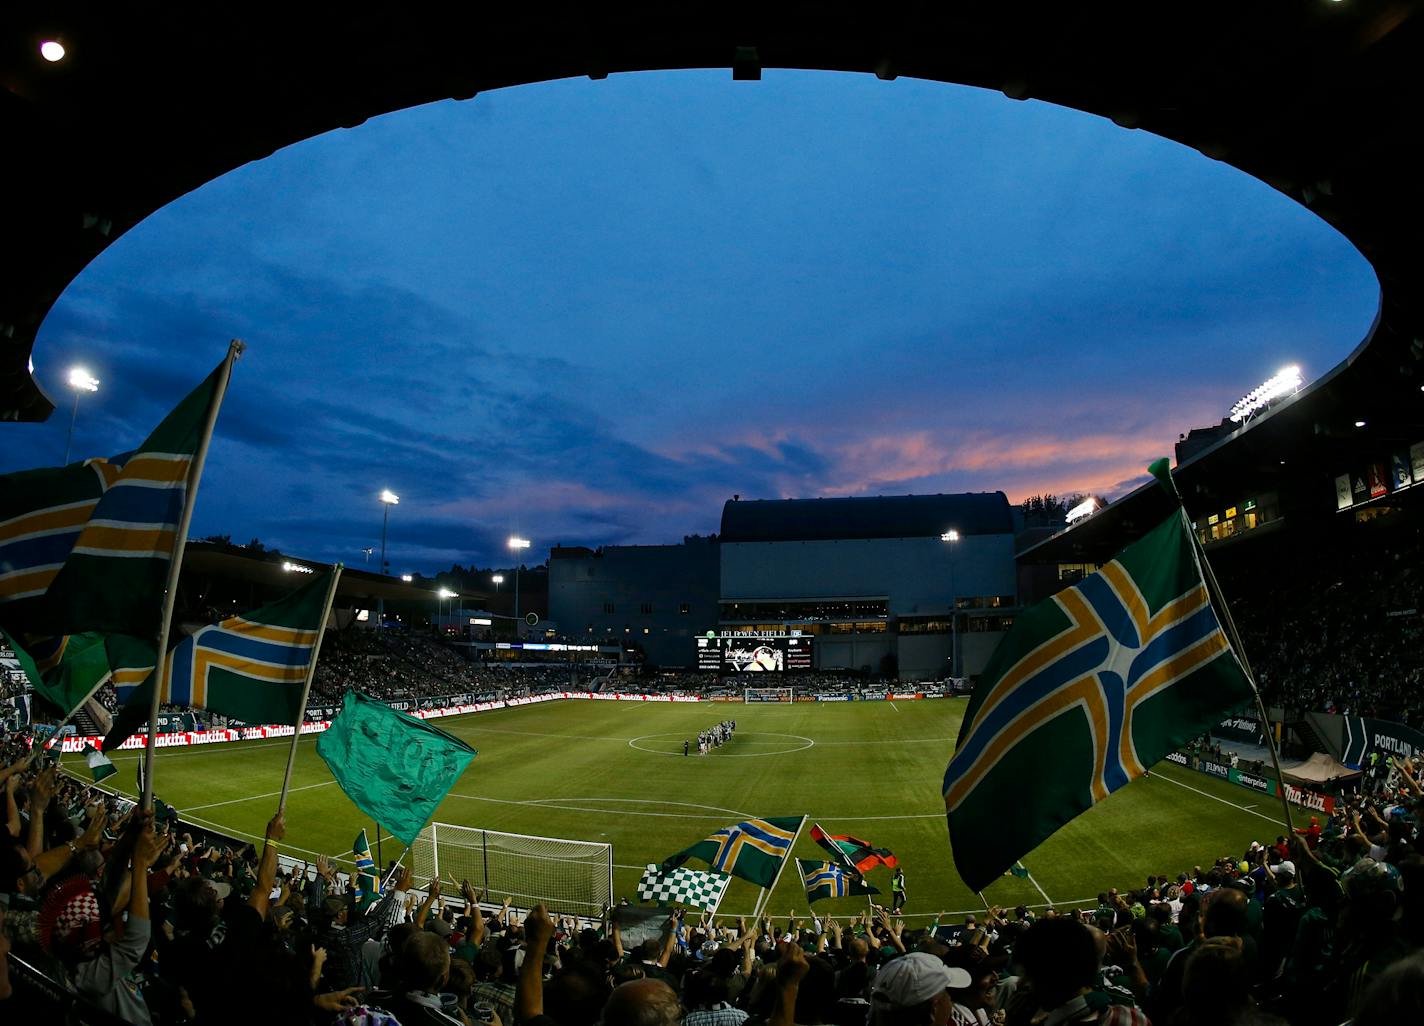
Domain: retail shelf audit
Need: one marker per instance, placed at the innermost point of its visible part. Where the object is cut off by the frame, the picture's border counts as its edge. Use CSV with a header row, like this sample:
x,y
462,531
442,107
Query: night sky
x,y
590,312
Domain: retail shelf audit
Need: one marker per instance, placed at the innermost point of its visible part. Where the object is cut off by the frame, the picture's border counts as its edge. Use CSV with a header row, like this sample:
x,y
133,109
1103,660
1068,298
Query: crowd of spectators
x,y
1340,631
142,922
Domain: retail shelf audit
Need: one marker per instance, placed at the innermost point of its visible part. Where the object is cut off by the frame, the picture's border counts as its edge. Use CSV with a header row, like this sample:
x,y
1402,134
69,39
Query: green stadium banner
x,y
394,768
1087,690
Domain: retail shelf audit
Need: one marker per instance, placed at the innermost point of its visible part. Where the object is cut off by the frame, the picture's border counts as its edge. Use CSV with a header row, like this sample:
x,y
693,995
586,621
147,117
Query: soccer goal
x,y
769,695
569,876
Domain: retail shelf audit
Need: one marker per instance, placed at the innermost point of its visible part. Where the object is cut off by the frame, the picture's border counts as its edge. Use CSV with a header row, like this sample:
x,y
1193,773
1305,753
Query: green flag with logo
x,y
1088,690
394,768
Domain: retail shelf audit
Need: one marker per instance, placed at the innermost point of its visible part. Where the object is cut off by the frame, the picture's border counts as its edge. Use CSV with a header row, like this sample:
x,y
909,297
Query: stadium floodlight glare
x,y
498,578
389,497
297,568
517,544
446,593
1359,423
1085,508
407,578
950,536
52,50
81,381
1286,381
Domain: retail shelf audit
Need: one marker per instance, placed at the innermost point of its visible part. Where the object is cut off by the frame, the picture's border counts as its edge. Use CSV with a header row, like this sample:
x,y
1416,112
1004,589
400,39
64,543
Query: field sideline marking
x,y
894,706
1204,794
1036,886
251,797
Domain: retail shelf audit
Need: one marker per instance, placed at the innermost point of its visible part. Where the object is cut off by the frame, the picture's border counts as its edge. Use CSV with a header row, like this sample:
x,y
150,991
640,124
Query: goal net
x,y
769,695
568,876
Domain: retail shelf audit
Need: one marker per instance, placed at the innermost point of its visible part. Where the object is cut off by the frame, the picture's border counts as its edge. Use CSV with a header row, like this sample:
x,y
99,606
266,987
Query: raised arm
x,y
790,970
529,993
260,899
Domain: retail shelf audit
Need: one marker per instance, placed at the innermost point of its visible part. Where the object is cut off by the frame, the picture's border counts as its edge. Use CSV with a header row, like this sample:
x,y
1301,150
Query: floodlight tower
x,y
951,538
81,381
517,546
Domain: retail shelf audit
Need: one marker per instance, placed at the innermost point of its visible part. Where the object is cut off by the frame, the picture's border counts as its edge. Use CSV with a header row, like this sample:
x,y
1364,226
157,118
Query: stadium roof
x,y
886,516
1319,100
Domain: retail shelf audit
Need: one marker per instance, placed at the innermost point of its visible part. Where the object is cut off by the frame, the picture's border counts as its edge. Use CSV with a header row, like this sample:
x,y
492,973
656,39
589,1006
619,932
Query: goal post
x,y
569,876
768,695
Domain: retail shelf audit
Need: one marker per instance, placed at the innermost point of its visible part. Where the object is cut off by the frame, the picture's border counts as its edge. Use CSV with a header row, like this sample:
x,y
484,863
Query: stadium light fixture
x,y
516,545
81,381
446,593
950,536
407,578
389,497
1286,381
297,568
52,50
1085,508
1359,423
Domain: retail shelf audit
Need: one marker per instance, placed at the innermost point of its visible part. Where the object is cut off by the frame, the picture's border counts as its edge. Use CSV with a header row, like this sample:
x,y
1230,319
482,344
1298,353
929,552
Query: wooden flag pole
x,y
175,566
306,685
1219,601
790,853
1163,473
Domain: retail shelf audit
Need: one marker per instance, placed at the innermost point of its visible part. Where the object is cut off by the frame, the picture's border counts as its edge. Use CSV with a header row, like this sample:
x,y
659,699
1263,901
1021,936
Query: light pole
x,y
952,538
517,546
81,381
388,499
443,594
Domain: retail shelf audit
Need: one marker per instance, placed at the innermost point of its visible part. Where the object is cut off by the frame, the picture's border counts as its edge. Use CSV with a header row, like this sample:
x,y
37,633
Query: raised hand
x,y
277,827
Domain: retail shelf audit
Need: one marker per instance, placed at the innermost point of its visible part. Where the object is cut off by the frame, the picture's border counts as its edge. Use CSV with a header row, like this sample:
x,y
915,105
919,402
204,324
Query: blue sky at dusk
x,y
590,312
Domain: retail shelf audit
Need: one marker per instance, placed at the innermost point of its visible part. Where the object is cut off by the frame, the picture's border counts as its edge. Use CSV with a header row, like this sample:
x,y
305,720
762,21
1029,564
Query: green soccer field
x,y
614,772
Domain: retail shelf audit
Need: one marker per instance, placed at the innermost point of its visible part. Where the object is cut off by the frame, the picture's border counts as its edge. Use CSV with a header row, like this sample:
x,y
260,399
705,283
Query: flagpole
x,y
306,685
1162,471
1219,601
175,566
790,850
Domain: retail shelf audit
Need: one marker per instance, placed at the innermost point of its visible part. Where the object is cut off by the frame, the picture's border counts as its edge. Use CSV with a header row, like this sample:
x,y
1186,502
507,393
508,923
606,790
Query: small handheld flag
x,y
99,766
368,883
852,852
683,886
1087,690
829,880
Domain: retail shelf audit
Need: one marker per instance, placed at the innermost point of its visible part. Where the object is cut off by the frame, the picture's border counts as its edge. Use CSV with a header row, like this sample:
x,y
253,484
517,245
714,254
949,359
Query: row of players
x,y
713,737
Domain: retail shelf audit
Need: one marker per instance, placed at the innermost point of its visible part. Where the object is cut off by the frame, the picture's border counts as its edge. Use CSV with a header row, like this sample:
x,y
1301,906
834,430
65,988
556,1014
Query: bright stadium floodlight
x,y
389,497
81,381
52,50
297,568
950,536
446,593
1085,508
1286,381
516,545
407,578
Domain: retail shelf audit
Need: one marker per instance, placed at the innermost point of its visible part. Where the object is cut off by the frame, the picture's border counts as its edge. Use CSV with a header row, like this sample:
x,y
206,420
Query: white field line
x,y
1242,808
894,706
1037,887
253,797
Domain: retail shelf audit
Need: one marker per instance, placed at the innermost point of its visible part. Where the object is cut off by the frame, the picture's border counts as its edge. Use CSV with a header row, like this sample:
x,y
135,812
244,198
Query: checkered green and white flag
x,y
683,886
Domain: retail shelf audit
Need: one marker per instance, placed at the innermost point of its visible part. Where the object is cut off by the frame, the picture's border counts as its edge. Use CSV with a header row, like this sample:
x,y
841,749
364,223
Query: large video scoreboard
x,y
733,651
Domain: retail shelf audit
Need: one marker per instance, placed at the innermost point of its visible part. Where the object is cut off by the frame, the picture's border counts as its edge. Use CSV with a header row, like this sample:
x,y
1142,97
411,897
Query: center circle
x,y
671,744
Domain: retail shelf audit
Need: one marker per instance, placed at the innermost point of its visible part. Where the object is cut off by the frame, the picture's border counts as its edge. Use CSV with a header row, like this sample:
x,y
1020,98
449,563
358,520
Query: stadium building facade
x,y
872,580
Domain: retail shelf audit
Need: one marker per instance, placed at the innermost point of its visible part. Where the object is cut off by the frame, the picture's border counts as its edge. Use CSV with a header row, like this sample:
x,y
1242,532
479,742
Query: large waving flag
x,y
683,886
829,880
394,768
87,547
753,850
251,667
1088,689
75,666
852,852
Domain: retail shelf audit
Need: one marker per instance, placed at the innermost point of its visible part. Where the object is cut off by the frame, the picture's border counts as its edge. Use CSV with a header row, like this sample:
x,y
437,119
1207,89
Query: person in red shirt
x,y
1311,833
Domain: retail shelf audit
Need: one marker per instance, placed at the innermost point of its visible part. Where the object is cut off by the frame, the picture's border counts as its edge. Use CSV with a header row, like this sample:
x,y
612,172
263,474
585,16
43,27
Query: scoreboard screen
x,y
753,652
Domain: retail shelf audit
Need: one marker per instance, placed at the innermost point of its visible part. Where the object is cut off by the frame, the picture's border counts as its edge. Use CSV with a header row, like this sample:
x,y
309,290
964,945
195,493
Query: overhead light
x,y
1083,509
1359,423
446,593
389,497
518,543
407,578
82,381
297,568
950,536
1286,381
52,50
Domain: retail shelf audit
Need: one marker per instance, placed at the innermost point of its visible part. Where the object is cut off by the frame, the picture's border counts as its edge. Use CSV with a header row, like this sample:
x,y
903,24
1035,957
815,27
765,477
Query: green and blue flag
x,y
1087,691
753,849
367,877
829,880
